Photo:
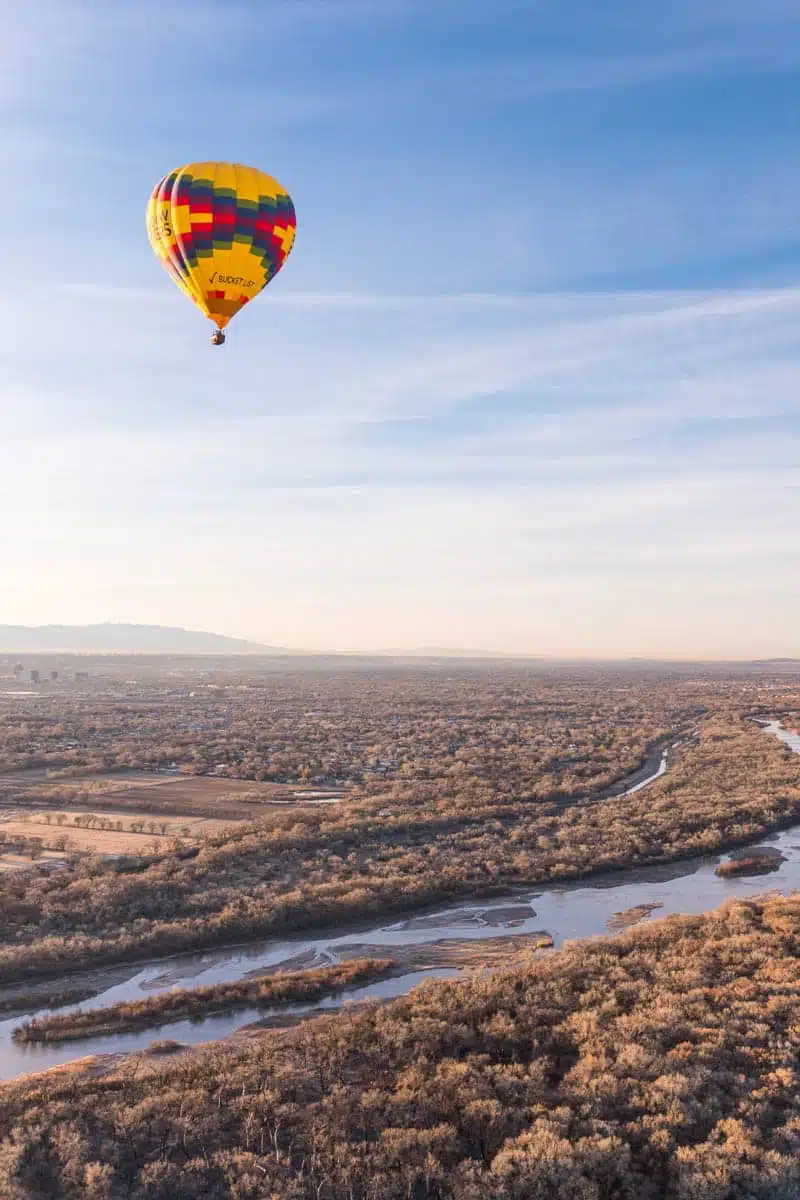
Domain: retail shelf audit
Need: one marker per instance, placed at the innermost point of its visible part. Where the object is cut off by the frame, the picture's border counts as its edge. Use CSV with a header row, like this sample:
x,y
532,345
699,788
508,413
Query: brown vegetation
x,y
162,1046
314,867
751,864
109,833
289,987
517,730
151,795
631,916
660,1065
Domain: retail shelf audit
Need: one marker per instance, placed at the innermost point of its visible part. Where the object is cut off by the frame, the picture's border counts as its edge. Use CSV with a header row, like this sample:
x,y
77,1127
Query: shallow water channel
x,y
566,911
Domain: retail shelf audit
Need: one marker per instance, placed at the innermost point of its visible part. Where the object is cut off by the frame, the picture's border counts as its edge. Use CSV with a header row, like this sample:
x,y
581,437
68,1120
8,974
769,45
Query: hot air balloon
x,y
222,231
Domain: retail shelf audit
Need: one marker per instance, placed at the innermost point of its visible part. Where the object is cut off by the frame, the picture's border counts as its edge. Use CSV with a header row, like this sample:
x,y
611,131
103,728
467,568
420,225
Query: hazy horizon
x,y
527,384
82,646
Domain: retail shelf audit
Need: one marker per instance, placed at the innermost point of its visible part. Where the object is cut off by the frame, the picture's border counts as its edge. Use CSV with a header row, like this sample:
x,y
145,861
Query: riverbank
x,y
655,764
728,791
607,1068
465,936
360,964
289,987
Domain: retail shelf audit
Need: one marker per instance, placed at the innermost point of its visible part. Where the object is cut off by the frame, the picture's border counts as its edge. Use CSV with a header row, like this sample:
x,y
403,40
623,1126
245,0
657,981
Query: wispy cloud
x,y
459,415
578,424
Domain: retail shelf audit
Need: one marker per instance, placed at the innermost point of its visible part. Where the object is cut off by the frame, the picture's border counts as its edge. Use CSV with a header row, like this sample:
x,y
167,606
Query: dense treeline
x,y
536,731
658,1065
314,867
286,987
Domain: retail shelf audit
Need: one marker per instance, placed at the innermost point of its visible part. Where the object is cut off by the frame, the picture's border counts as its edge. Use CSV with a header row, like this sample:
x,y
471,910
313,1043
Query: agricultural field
x,y
115,831
47,815
135,816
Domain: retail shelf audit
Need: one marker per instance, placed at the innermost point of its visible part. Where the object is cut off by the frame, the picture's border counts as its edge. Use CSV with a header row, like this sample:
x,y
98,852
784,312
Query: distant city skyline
x,y
527,384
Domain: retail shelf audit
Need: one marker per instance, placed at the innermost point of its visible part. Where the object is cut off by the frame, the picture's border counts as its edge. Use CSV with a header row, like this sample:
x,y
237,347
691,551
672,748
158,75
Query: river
x,y
567,911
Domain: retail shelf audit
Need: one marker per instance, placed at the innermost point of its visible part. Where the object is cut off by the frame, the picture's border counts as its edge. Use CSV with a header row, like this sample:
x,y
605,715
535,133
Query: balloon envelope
x,y
222,231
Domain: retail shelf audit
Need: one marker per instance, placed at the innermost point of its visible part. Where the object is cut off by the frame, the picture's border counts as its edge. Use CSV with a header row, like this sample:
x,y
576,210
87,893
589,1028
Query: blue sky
x,y
528,381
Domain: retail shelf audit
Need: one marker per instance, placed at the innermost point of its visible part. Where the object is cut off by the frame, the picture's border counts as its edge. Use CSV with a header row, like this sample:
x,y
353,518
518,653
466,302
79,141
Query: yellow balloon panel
x,y
159,228
222,231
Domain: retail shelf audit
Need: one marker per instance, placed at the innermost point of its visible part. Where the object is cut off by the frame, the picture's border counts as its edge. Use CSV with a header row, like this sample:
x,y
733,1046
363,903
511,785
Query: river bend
x,y
566,911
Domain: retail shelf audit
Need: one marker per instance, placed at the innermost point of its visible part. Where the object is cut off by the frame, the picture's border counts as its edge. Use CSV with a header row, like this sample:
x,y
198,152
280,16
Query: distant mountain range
x,y
125,639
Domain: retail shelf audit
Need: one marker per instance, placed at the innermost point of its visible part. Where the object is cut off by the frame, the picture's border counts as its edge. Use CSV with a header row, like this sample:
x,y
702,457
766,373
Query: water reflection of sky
x,y
567,911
